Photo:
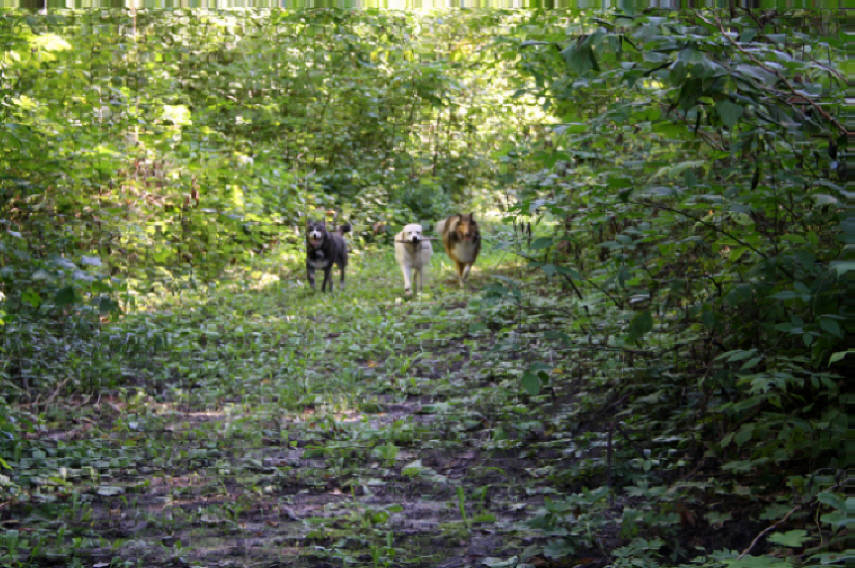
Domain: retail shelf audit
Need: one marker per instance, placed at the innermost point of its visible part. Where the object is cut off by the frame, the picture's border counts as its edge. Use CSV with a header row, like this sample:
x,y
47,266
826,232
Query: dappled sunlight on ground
x,y
264,280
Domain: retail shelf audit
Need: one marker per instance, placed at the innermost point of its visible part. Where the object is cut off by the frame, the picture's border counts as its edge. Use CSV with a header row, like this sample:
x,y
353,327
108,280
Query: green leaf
x,y
785,295
718,517
678,168
744,434
736,355
495,562
794,538
107,305
839,355
579,58
832,500
541,243
413,468
751,363
31,297
66,296
571,272
640,324
549,270
758,562
571,128
530,382
831,326
837,519
559,548
708,316
729,112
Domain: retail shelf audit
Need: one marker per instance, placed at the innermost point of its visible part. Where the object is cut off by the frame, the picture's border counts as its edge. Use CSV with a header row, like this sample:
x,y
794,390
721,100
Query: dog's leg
x,y
327,280
341,280
466,269
407,283
461,272
310,276
417,280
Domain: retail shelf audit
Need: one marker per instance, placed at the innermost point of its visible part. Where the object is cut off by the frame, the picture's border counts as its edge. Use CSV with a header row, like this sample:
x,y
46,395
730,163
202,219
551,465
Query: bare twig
x,y
767,530
420,240
55,393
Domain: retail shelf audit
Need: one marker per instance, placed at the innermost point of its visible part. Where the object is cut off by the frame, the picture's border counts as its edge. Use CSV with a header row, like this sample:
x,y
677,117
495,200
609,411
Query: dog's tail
x,y
344,228
440,226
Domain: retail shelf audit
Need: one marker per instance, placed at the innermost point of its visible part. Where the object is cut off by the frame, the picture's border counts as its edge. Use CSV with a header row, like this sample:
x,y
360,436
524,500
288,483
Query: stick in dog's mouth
x,y
421,239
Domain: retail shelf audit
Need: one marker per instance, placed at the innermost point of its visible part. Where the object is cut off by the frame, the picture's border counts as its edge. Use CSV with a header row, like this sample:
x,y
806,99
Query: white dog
x,y
413,252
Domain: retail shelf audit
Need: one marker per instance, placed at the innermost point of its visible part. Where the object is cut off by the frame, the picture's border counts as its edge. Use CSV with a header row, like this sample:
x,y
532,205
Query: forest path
x,y
279,427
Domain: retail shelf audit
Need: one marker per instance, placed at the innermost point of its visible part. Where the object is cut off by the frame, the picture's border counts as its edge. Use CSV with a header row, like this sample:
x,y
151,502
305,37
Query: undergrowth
x,y
647,370
364,428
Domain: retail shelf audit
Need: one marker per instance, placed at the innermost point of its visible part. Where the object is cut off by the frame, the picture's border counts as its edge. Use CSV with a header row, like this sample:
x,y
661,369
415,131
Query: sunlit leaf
x,y
49,42
839,356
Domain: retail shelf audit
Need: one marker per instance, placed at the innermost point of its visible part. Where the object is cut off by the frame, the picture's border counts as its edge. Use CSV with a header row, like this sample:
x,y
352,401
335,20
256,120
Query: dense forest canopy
x,y
671,187
425,4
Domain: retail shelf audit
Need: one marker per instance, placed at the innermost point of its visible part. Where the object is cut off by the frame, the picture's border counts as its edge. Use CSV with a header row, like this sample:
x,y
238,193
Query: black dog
x,y
323,249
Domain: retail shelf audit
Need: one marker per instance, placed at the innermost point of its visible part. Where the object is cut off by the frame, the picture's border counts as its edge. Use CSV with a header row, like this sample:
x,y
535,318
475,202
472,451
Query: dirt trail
x,y
410,448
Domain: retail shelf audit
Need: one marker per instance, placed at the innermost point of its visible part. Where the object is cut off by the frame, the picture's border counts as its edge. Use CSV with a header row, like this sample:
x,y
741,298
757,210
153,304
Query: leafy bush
x,y
694,184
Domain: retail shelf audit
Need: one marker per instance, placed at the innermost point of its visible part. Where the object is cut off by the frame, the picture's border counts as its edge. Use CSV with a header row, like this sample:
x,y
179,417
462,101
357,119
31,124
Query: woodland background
x,y
647,370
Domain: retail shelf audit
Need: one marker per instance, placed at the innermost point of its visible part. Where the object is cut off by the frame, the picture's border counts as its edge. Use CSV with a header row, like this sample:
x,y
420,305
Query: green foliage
x,y
694,185
169,161
661,383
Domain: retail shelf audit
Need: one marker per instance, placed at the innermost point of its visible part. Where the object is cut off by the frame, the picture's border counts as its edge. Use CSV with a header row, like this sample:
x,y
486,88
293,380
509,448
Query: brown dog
x,y
462,242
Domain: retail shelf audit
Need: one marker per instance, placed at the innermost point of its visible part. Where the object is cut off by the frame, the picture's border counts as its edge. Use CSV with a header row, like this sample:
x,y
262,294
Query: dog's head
x,y
466,227
316,232
412,233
